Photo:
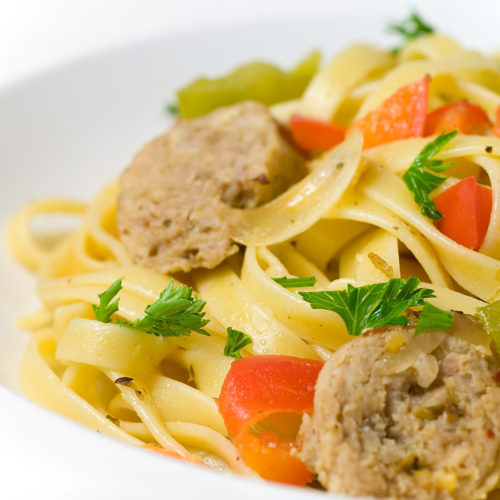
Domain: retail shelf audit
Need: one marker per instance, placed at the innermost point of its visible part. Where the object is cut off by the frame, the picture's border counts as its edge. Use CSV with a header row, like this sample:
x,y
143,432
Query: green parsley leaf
x,y
176,313
419,178
235,341
432,318
295,282
411,28
371,306
106,308
172,109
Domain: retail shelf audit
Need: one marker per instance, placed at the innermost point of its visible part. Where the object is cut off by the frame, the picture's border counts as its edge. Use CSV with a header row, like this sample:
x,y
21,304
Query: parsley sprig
x,y
421,178
172,109
235,341
106,308
412,27
380,304
433,318
295,282
177,311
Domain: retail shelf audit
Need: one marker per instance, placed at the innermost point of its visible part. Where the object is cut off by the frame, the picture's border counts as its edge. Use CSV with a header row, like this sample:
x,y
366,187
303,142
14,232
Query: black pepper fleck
x,y
123,380
262,178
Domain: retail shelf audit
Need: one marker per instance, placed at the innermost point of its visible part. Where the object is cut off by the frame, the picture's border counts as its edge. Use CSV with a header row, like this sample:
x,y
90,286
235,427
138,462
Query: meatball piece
x,y
405,416
174,204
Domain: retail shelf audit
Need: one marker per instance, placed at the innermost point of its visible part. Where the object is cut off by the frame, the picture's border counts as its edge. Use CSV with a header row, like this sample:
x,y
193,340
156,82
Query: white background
x,y
37,34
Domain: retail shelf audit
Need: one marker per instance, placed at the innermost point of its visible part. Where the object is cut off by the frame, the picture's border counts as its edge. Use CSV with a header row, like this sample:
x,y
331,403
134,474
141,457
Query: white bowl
x,y
69,132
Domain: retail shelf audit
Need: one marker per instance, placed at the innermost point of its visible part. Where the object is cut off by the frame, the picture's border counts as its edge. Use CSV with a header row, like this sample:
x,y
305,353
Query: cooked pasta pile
x,y
351,220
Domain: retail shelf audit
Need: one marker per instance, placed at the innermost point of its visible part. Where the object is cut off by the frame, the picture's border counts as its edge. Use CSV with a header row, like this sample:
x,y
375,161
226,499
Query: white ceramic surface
x,y
70,131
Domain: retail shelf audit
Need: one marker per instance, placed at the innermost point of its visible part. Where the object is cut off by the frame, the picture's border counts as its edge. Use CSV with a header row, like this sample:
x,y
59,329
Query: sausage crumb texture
x,y
176,201
405,416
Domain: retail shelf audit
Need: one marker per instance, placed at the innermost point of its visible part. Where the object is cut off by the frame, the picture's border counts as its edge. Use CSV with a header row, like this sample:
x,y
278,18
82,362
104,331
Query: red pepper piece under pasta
x,y
311,134
399,117
463,116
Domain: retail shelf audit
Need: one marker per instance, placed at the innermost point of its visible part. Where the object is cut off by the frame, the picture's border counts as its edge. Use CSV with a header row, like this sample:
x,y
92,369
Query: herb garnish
x,y
411,28
235,341
433,318
295,282
420,179
177,312
380,304
123,380
172,109
106,308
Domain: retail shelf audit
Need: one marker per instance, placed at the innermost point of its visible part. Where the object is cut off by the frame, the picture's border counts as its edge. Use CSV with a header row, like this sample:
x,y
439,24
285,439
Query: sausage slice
x,y
175,198
405,416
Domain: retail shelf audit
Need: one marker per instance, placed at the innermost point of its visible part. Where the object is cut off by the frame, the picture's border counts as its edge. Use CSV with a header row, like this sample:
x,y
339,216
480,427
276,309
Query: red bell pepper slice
x,y
399,117
271,457
315,135
466,209
463,116
261,401
496,126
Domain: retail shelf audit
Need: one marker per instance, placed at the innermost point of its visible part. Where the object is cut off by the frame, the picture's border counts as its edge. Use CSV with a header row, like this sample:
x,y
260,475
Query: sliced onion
x,y
423,343
471,330
305,202
427,367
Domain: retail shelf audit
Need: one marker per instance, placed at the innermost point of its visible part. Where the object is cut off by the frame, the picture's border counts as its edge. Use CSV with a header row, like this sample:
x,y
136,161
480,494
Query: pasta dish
x,y
298,281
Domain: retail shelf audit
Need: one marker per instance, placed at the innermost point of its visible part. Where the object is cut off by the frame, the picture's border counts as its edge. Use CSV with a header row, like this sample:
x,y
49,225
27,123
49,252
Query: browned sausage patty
x,y
405,416
173,207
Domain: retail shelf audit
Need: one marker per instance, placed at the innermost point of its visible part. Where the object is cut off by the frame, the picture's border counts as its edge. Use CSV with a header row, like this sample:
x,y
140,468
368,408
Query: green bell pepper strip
x,y
489,316
257,81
